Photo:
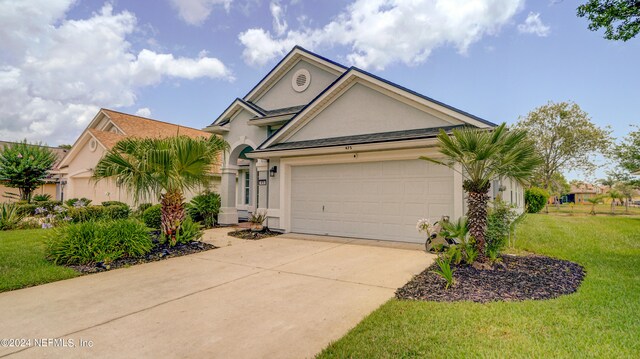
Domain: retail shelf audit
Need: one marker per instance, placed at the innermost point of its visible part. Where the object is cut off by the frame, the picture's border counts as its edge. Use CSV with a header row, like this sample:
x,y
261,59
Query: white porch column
x,y
228,211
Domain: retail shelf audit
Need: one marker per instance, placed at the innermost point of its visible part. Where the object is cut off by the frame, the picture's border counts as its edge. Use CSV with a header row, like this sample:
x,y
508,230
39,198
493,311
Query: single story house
x,y
105,130
52,184
332,150
581,192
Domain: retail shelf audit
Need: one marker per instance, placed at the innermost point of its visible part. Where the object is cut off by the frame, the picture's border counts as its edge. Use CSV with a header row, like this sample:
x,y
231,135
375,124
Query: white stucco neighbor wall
x,y
362,110
282,94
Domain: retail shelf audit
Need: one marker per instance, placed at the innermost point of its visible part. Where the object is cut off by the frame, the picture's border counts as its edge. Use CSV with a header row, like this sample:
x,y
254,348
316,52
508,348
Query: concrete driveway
x,y
284,297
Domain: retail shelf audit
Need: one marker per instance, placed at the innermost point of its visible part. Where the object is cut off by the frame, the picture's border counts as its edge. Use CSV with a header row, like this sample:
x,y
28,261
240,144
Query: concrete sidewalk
x,y
282,297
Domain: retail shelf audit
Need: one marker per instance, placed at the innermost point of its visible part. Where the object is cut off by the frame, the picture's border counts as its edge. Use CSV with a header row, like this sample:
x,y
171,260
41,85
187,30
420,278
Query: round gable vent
x,y
93,144
301,80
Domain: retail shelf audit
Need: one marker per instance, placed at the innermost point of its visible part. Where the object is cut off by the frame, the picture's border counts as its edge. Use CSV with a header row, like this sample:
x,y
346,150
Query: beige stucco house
x,y
104,131
330,150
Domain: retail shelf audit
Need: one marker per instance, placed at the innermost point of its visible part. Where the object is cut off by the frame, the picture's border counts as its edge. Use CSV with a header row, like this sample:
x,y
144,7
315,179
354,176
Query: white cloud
x,y
195,12
381,32
56,73
279,23
144,112
533,25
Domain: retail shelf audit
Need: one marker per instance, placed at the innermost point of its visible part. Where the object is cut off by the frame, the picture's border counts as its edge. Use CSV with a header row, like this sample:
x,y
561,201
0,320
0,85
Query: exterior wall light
x,y
273,170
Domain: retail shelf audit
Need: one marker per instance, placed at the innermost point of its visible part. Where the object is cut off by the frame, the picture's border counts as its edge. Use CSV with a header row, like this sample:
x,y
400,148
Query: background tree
x,y
626,190
482,156
627,153
65,146
25,166
565,139
162,168
620,18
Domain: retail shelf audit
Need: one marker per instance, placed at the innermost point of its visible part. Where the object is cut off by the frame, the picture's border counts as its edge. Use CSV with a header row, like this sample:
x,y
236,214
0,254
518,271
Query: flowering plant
x,y
424,225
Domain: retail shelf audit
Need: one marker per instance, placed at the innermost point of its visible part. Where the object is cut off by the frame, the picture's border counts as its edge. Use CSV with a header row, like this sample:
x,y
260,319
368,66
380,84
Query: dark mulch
x,y
249,234
516,278
159,252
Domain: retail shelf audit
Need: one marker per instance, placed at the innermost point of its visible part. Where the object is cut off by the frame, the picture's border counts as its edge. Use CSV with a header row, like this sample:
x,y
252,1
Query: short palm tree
x,y
163,168
594,200
482,156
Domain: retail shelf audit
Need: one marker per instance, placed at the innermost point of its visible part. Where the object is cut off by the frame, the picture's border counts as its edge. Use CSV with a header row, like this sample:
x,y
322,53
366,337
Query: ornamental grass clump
x,y
98,241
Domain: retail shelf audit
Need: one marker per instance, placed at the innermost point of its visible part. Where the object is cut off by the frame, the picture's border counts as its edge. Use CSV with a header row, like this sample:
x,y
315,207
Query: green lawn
x,y
601,320
23,263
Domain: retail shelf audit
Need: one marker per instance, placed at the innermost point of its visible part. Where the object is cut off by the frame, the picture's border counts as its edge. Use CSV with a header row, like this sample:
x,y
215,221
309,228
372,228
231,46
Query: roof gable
x,y
290,60
435,113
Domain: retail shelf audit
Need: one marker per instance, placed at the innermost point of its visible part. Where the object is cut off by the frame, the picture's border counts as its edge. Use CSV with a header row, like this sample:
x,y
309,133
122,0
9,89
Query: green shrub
x,y
499,220
77,202
152,216
9,216
117,211
535,199
143,207
41,197
102,241
189,231
26,209
204,208
84,214
115,203
445,271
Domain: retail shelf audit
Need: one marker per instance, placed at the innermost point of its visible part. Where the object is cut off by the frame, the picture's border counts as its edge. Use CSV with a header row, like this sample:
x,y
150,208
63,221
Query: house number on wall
x,y
348,147
262,182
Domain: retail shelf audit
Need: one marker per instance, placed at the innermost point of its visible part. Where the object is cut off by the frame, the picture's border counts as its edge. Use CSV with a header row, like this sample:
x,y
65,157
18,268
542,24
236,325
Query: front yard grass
x,y
601,320
23,263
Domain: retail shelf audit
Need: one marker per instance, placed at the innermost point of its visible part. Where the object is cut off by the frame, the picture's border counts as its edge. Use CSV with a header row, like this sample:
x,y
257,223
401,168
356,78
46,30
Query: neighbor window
x,y
246,188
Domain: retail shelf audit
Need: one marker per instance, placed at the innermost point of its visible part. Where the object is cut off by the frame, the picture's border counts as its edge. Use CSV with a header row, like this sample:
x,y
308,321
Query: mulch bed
x,y
159,252
249,234
517,278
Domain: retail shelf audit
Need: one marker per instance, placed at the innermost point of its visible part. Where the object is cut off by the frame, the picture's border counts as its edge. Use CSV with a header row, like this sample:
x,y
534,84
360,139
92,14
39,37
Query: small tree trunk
x,y
173,213
477,218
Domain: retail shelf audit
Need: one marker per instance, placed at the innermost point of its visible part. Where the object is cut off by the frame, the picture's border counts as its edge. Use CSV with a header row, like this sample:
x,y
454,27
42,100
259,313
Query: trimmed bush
x,y
114,203
152,216
84,214
535,199
117,211
143,207
102,241
26,209
204,208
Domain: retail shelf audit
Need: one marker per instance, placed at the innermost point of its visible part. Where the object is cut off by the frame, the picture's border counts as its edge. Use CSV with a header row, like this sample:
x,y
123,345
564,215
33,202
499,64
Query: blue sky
x,y
184,61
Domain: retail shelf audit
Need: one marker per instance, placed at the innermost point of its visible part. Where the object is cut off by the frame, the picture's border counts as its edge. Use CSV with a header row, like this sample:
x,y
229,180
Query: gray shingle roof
x,y
278,111
361,139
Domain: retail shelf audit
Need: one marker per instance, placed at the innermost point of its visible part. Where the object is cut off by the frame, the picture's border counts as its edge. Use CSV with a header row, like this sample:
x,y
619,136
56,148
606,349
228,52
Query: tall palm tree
x,y
162,168
482,156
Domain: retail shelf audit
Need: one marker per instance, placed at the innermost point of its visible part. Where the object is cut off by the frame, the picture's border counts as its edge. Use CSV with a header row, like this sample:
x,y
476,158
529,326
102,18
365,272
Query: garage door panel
x,y
377,200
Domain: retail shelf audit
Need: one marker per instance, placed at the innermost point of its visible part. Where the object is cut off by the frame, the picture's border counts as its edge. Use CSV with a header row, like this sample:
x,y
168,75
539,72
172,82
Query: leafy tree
x,y
162,168
65,146
628,152
25,166
565,139
626,190
482,156
619,18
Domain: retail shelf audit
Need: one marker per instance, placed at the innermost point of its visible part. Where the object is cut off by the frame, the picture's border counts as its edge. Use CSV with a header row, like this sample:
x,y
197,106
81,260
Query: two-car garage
x,y
375,200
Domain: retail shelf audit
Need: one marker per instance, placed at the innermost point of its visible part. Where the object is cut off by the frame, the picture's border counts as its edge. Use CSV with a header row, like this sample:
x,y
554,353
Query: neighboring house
x,y
326,149
52,182
582,191
105,130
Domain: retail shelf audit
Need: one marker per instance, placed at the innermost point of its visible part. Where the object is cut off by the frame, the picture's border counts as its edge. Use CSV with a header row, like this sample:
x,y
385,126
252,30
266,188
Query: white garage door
x,y
375,200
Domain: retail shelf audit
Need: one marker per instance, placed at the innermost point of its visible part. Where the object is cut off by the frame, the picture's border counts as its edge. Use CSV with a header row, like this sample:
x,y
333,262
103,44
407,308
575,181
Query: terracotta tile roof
x,y
142,127
108,139
136,126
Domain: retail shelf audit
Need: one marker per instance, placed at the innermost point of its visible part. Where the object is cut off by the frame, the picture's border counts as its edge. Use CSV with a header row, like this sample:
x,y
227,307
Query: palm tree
x,y
594,200
482,156
162,168
614,195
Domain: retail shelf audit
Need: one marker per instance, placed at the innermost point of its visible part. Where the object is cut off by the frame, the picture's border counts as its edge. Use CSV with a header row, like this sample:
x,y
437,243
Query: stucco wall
x,y
362,110
47,188
282,94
